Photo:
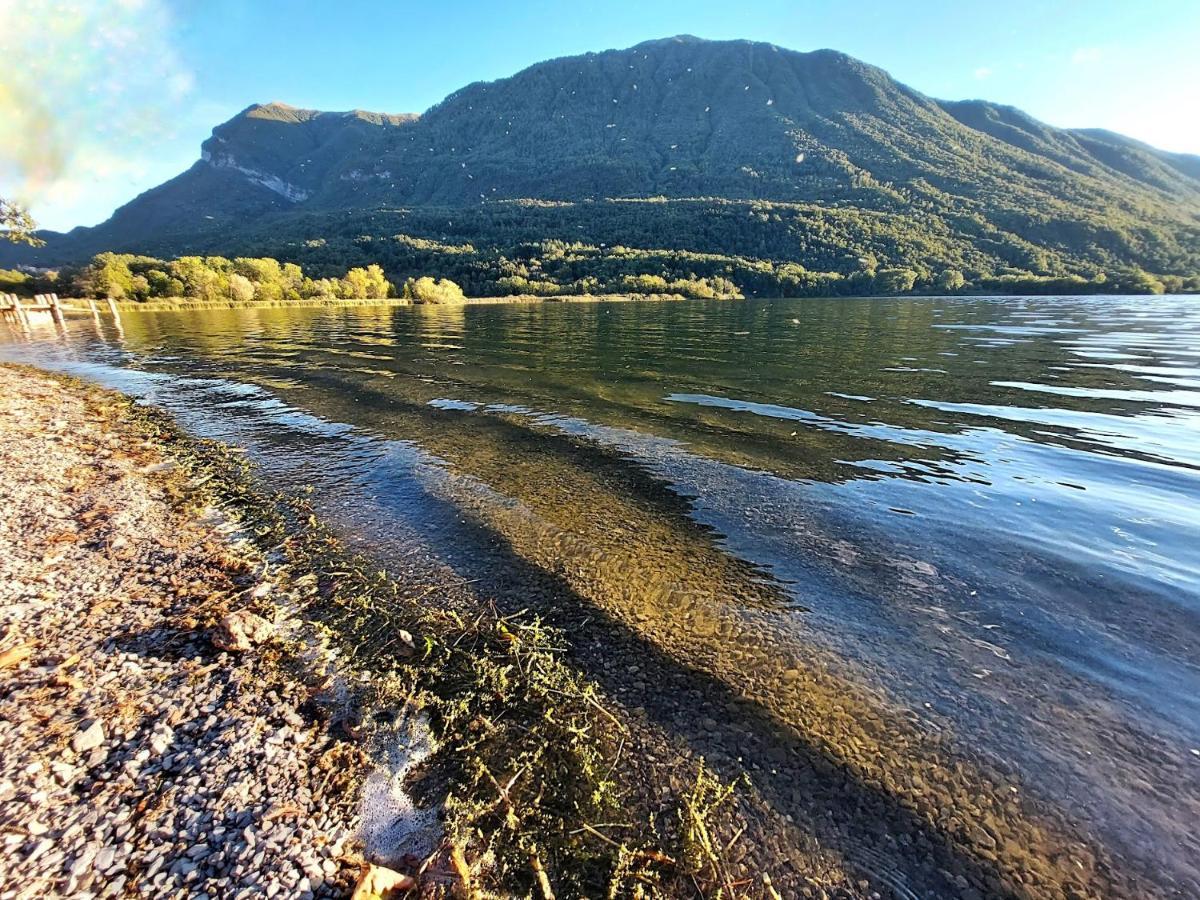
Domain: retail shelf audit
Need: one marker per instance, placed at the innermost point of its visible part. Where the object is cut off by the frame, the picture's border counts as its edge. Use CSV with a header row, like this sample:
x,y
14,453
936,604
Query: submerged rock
x,y
407,645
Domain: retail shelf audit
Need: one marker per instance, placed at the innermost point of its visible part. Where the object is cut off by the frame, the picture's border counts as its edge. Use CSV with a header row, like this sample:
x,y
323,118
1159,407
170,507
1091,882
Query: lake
x,y
954,543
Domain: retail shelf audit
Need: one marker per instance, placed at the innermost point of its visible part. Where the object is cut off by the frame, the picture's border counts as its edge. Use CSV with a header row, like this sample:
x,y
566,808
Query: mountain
x,y
732,147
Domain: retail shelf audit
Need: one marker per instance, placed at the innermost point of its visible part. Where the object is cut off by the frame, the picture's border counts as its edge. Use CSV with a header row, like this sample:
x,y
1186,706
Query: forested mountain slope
x,y
816,159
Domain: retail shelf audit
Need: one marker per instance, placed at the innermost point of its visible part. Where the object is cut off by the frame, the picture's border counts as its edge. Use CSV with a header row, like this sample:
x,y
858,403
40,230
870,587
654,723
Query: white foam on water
x,y
393,827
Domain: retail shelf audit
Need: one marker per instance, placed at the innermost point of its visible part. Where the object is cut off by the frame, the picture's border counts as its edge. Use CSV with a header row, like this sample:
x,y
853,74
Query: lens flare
x,y
80,81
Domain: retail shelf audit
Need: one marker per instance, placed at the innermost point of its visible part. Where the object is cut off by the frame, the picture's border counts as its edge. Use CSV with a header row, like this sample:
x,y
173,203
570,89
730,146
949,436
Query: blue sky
x,y
102,99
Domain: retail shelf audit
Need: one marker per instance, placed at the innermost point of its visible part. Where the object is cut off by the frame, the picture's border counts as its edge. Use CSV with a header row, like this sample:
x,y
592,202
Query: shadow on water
x,y
875,797
867,780
876,832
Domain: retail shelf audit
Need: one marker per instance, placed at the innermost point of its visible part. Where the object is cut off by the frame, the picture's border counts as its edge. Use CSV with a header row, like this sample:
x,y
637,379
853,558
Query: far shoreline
x,y
82,304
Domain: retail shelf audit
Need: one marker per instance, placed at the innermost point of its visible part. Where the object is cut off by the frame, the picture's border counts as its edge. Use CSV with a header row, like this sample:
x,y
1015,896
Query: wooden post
x,y
22,318
94,308
56,311
112,307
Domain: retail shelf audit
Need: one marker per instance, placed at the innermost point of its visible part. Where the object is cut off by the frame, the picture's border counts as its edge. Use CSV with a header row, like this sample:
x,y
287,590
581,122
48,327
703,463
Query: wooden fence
x,y
21,311
25,312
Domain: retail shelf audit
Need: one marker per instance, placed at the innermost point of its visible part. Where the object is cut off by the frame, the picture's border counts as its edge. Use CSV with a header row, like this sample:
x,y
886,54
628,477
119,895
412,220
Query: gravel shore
x,y
137,758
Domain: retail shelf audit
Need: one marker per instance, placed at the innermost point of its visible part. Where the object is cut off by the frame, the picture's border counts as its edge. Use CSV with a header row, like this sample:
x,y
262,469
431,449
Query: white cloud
x,y
1086,55
89,98
983,72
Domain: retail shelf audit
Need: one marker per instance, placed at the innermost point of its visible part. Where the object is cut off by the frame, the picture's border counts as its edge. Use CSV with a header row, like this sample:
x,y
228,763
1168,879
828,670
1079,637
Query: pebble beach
x,y
137,758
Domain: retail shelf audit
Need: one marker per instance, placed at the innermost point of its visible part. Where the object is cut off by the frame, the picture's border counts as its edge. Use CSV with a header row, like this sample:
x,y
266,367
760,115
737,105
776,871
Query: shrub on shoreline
x,y
427,290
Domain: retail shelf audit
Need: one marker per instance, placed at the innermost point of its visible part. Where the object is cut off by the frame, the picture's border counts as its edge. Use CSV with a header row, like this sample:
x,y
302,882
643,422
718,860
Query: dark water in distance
x,y
986,512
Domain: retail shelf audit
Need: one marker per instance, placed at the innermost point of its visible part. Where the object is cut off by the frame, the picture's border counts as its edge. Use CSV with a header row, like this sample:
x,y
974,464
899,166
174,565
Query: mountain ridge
x,y
684,118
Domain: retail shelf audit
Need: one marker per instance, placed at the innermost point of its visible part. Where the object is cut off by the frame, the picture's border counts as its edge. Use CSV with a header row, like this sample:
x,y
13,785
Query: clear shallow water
x,y
982,515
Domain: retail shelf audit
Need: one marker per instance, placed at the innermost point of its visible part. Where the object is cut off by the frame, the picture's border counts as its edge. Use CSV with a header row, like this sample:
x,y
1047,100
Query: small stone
x,y
979,836
160,742
241,630
83,861
89,737
407,645
105,859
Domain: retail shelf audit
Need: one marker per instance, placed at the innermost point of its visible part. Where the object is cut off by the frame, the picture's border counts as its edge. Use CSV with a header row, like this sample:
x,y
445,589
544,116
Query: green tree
x,y
324,288
1172,284
199,279
895,281
293,280
427,290
16,225
108,275
163,285
1138,281
644,284
272,280
366,284
588,284
241,288
951,280
139,288
14,282
265,274
726,289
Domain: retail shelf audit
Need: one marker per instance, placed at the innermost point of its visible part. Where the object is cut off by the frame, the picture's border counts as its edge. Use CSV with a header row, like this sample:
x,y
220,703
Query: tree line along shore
x,y
544,270
247,280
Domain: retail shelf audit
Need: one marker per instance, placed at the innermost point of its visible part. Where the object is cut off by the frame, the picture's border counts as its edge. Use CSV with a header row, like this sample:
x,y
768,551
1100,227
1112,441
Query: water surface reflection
x,y
978,514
